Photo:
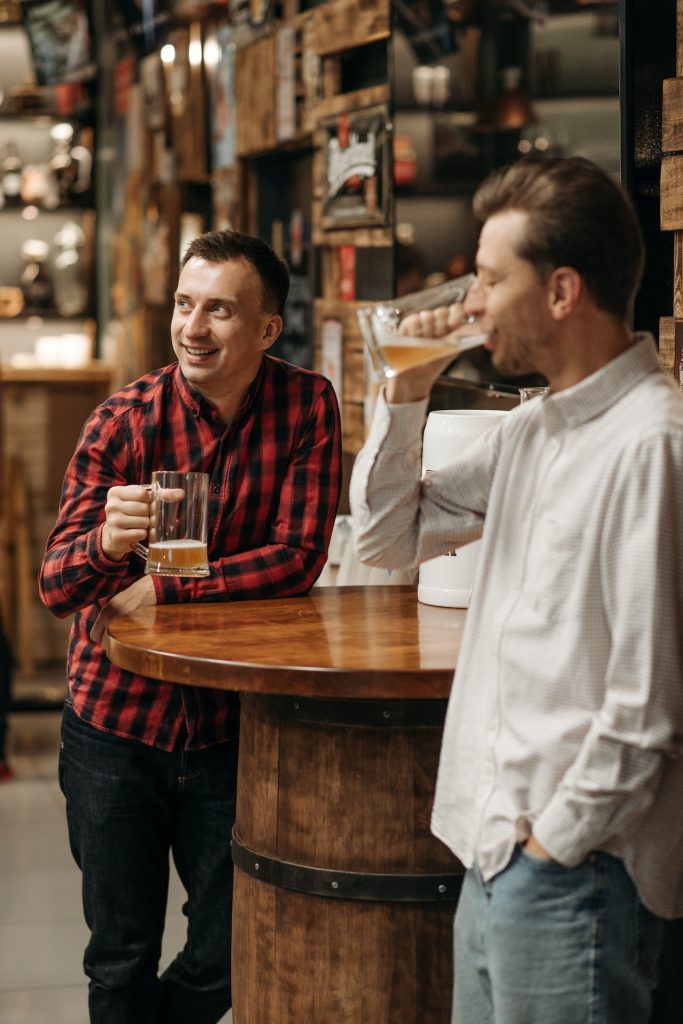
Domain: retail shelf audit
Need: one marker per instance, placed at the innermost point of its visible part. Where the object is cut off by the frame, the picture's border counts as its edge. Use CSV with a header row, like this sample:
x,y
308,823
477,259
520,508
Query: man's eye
x,y
181,303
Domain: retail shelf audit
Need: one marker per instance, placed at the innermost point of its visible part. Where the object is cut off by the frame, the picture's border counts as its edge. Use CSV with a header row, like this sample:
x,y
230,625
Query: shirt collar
x,y
201,406
595,394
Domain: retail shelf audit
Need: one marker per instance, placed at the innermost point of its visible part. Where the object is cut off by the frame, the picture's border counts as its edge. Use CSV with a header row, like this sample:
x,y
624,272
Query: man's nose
x,y
196,323
474,304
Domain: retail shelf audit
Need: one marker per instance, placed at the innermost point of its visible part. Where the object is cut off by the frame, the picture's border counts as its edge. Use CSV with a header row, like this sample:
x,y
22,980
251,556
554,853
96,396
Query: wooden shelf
x,y
96,372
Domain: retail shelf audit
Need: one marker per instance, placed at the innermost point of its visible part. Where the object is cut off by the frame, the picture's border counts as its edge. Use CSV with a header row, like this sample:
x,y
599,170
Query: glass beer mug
x,y
394,331
178,525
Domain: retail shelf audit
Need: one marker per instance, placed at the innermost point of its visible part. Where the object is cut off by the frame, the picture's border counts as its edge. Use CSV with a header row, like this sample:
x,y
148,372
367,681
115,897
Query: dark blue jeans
x,y
127,806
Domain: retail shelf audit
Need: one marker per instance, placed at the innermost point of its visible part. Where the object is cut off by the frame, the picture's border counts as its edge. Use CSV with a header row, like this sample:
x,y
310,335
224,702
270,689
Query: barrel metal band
x,y
397,714
346,885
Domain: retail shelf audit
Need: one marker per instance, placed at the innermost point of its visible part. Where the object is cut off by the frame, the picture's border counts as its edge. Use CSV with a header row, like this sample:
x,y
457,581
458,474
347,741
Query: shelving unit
x,y
43,404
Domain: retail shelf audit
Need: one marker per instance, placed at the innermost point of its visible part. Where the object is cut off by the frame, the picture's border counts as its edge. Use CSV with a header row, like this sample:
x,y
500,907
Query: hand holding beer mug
x,y
178,525
421,327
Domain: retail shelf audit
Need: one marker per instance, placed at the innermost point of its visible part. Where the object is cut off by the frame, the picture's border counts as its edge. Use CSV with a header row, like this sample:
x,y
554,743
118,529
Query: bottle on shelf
x,y
11,167
70,291
35,280
69,165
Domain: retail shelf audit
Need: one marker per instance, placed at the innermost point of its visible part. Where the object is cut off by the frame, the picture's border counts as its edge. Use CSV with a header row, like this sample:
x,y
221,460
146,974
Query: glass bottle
x,y
71,294
35,280
11,167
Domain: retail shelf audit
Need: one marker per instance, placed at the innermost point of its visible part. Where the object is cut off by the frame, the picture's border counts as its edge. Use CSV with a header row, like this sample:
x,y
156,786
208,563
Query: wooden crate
x,y
255,84
297,86
345,24
671,344
187,102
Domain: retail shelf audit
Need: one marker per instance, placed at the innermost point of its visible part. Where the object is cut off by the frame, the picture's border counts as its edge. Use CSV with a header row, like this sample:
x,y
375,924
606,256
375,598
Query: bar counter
x,y
343,900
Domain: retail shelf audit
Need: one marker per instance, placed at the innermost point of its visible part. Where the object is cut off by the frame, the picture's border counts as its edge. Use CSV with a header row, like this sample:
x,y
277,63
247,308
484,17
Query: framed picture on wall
x,y
356,169
59,38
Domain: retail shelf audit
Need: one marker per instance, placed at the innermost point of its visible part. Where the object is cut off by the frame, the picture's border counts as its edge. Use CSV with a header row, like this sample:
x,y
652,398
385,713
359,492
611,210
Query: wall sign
x,y
356,158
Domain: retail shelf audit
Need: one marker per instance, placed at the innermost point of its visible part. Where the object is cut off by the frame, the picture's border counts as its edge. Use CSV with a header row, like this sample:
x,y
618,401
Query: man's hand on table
x,y
140,595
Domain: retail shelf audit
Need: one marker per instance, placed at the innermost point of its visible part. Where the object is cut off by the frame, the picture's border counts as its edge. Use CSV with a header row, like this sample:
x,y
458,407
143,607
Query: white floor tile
x,y
32,826
40,895
39,955
63,1005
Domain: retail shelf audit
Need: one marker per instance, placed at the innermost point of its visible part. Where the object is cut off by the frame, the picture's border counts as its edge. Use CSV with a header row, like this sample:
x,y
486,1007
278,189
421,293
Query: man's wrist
x,y
534,848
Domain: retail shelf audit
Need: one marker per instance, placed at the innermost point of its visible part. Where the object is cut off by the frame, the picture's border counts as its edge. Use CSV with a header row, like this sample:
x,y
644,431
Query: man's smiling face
x,y
220,328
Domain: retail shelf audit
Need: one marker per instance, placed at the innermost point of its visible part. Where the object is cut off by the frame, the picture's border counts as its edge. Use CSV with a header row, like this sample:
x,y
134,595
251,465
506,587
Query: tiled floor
x,y
42,934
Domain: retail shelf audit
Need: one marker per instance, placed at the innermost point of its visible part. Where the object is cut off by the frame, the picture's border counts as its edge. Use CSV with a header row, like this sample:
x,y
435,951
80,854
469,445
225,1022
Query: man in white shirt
x,y
560,778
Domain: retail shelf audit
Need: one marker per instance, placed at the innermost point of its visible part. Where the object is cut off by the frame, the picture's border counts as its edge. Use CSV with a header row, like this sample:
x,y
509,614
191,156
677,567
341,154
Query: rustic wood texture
x,y
368,792
354,383
335,103
353,358
671,189
187,104
255,86
42,413
678,275
308,72
344,24
671,344
672,115
337,642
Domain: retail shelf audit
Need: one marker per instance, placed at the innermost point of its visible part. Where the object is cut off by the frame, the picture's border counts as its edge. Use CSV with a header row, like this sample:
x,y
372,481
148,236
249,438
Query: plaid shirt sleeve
x,y
76,572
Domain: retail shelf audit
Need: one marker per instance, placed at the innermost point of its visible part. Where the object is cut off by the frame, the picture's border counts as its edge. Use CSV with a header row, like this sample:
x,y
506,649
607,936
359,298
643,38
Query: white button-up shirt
x,y
566,713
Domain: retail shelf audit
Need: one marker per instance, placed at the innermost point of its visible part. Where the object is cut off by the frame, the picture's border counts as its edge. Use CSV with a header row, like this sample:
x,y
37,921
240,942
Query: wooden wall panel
x,y
345,24
255,78
672,115
671,344
671,209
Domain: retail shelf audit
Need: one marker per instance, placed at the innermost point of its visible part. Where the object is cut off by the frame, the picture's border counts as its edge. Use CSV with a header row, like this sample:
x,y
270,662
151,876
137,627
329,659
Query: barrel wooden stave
x,y
345,798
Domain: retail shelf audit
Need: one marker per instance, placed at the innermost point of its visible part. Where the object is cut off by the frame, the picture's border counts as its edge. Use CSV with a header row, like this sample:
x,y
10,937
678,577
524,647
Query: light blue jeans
x,y
543,944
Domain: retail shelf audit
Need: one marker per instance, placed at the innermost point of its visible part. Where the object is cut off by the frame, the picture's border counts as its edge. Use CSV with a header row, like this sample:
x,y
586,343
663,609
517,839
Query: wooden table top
x,y
373,641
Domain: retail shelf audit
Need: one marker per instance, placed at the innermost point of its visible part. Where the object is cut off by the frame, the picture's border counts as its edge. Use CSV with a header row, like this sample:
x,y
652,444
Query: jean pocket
x,y
546,864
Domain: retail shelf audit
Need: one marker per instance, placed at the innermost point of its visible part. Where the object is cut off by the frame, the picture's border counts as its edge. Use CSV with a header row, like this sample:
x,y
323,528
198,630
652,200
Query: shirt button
x,y
216,489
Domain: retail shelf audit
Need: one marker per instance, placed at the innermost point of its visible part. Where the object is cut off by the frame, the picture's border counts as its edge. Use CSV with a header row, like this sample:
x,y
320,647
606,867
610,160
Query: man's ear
x,y
565,287
272,331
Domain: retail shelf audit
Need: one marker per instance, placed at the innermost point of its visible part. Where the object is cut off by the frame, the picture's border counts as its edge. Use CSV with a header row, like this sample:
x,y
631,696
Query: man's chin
x,y
510,368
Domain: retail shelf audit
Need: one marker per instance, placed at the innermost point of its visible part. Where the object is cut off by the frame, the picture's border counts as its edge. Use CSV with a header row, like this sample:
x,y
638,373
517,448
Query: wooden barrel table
x,y
343,902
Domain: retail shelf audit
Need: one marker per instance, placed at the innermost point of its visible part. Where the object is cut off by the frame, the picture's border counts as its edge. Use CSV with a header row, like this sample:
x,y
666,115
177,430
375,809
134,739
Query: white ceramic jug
x,y
447,580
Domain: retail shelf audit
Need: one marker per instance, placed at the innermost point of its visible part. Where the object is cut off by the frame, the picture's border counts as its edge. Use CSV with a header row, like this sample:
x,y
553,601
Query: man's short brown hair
x,y
222,246
578,217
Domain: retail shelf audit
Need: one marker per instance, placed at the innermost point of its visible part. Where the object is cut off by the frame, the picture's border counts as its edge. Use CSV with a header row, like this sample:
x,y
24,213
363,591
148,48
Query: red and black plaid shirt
x,y
274,487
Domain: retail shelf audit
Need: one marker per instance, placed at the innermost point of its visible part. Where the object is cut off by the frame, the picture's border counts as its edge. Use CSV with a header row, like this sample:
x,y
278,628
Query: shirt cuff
x,y
566,836
406,420
99,560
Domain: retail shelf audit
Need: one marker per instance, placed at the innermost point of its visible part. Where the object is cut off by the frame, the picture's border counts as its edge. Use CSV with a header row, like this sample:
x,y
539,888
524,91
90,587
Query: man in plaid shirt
x,y
147,766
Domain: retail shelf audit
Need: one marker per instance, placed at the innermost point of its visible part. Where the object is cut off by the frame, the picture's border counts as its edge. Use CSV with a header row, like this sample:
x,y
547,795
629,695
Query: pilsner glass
x,y
526,394
393,335
178,525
